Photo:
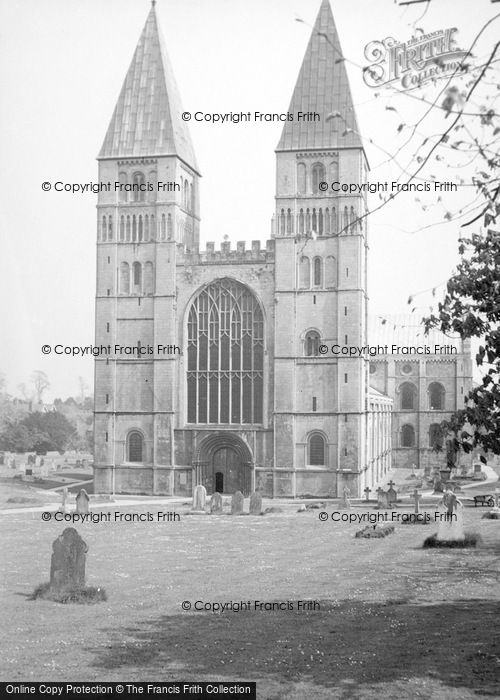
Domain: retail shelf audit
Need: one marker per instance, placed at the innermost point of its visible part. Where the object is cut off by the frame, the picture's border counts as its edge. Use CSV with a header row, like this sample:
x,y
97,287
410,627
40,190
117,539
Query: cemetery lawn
x,y
395,621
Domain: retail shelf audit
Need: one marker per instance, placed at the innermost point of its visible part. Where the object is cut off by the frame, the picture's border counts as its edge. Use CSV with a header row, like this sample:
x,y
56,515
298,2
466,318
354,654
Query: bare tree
x,y
40,383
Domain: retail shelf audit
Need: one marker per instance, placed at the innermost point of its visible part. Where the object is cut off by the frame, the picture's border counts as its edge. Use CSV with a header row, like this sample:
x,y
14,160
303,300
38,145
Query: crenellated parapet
x,y
227,254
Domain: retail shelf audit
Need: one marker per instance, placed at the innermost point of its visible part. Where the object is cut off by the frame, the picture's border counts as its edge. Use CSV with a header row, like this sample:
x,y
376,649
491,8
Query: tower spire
x,y
322,87
147,118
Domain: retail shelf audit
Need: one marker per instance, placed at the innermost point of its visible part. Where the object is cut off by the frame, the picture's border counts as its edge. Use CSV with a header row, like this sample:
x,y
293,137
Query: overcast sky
x,y
62,64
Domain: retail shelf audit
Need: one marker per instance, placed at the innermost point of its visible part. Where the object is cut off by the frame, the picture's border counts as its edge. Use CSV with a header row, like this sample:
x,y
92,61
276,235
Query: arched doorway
x,y
224,464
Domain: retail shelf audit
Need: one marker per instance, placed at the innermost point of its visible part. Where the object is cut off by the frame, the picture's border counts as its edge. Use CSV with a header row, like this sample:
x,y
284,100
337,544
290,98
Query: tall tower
x,y
320,399
152,206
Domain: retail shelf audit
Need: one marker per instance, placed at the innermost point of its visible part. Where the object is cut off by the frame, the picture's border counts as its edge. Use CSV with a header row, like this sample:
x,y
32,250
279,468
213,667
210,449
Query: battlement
x,y
195,256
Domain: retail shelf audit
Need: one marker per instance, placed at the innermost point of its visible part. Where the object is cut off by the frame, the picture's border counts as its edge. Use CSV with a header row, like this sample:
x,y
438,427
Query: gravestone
x,y
256,503
367,491
199,498
392,495
477,468
67,566
345,503
438,485
237,503
383,500
64,498
417,498
216,503
82,502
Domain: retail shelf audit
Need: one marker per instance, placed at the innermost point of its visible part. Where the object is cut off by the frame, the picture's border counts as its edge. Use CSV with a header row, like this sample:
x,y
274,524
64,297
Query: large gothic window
x,y
408,396
225,352
318,175
436,396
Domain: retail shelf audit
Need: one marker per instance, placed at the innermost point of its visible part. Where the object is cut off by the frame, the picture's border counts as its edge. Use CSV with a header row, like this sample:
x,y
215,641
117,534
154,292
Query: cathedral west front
x,y
228,383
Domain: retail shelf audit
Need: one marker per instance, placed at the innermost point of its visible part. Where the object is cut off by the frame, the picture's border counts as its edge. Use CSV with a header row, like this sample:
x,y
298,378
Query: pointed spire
x,y
147,119
322,87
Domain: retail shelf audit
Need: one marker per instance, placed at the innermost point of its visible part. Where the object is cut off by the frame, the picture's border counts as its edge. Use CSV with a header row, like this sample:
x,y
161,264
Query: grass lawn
x,y
395,620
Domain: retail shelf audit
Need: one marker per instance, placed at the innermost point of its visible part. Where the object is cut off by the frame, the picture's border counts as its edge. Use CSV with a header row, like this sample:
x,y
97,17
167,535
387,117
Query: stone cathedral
x,y
218,377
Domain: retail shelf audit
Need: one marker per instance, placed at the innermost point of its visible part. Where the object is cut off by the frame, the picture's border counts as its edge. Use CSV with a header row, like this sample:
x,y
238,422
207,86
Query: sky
x,y
62,64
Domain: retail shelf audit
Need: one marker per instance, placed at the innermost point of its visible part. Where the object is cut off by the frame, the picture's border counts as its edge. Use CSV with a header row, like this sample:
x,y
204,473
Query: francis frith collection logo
x,y
411,64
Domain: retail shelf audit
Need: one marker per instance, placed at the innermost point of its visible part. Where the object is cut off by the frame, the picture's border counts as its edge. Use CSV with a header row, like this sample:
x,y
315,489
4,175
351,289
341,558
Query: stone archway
x,y
224,463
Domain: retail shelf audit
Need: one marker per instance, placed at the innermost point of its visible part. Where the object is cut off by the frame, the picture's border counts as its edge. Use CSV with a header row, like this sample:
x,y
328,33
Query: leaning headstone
x,y
82,502
216,503
237,503
256,503
67,566
199,498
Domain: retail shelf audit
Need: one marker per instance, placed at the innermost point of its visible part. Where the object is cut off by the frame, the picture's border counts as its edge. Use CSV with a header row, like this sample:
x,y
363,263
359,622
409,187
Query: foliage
x,y
37,431
471,308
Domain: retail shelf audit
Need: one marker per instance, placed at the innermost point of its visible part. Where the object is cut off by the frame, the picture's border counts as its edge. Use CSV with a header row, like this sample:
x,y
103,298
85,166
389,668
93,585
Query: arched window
x,y
134,227
435,437
122,228
317,276
353,220
436,396
123,181
139,187
146,228
407,436
318,175
301,221
301,178
148,278
304,273
330,272
140,227
308,221
225,355
191,197
345,226
314,221
333,227
128,228
103,229
311,344
316,450
408,396
289,227
282,222
124,278
327,220
186,194
320,222
170,227
334,171
137,274
153,227
163,227
135,447
110,228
